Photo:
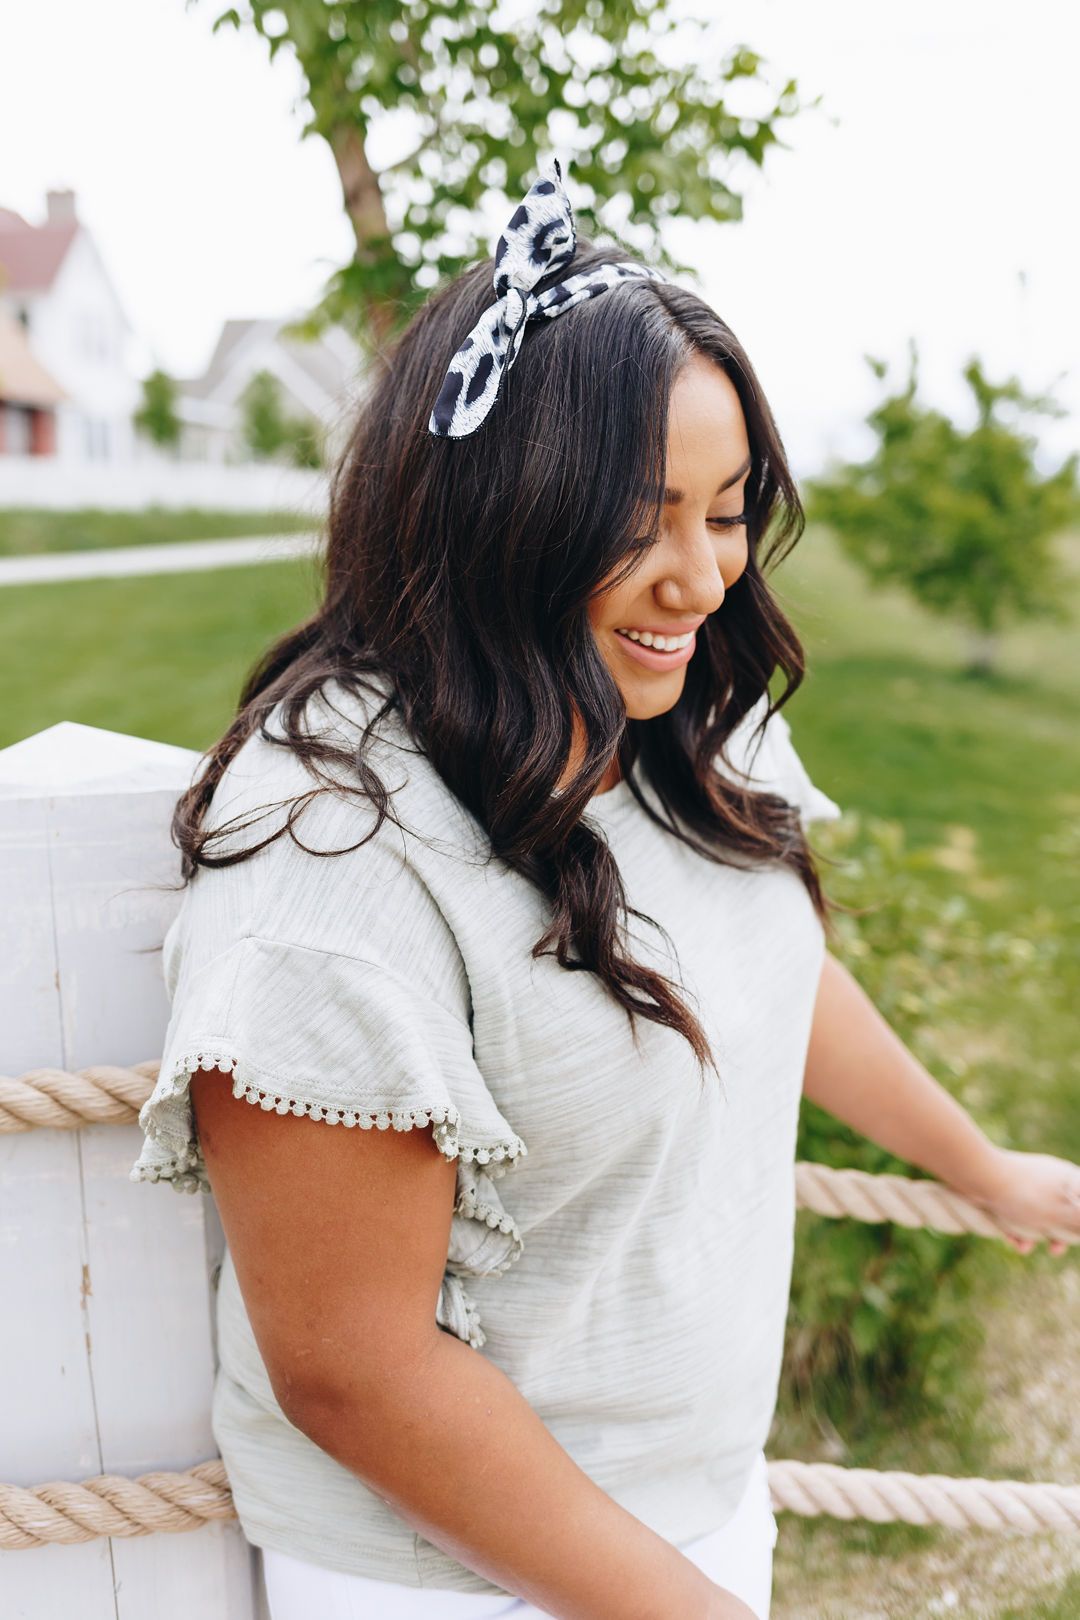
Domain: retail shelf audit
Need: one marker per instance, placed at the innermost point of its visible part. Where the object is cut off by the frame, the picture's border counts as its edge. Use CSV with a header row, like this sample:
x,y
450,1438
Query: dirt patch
x,y
825,1570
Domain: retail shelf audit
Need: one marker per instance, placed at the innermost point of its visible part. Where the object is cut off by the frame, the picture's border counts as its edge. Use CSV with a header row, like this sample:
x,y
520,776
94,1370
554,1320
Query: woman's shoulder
x,y
766,760
273,782
306,861
359,724
321,971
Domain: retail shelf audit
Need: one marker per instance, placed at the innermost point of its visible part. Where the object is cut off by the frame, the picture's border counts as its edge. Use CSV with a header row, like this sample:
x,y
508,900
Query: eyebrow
x,y
672,497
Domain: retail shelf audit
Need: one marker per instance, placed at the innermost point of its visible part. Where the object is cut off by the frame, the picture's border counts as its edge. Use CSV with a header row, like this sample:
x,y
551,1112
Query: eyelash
x,y
647,541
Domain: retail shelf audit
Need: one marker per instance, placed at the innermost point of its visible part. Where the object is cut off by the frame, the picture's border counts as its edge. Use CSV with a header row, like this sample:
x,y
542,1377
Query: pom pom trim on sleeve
x,y
186,1156
171,1153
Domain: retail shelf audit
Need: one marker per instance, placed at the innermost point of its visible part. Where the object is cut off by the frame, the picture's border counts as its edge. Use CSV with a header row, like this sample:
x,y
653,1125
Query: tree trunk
x,y
339,122
985,645
366,211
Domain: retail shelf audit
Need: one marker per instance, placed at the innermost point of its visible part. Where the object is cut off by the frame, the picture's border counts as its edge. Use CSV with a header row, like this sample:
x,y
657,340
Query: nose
x,y
700,572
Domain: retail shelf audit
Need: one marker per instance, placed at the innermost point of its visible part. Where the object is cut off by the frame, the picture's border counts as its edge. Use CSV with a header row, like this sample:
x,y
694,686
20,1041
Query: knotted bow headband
x,y
539,238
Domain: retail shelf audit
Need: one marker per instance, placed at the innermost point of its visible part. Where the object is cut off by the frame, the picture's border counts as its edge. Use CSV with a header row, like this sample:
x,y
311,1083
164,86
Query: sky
x,y
931,194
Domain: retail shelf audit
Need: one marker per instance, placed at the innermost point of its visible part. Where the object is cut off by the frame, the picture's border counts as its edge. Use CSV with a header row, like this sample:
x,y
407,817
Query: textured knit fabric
x,y
622,1239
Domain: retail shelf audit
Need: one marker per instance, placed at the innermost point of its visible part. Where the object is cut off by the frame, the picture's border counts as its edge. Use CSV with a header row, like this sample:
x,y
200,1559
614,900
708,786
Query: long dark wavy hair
x,y
461,572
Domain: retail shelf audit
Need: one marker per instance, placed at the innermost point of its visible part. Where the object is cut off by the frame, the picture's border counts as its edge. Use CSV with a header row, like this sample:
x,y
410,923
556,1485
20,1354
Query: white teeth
x,y
659,643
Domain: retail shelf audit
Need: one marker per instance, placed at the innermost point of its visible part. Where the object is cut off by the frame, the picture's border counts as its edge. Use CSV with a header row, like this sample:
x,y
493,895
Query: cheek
x,y
737,565
605,610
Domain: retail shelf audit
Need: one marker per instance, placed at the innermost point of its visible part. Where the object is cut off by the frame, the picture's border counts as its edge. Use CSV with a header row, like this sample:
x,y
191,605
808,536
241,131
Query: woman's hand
x,y
1030,1189
859,1069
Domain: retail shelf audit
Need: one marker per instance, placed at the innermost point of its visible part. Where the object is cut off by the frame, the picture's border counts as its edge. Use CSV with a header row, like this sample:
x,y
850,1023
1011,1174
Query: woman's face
x,y
700,552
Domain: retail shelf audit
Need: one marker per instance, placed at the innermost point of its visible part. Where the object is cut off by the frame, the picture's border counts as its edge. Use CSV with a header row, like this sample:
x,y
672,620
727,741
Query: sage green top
x,y
622,1239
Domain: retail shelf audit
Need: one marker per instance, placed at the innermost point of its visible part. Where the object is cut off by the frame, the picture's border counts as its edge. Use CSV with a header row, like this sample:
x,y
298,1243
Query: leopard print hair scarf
x,y
539,238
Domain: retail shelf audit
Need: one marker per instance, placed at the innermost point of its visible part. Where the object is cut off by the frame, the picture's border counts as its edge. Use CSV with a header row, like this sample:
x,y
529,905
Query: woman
x,y
503,864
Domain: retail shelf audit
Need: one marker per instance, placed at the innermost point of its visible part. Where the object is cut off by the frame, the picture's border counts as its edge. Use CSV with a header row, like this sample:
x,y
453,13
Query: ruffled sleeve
x,y
350,1043
774,765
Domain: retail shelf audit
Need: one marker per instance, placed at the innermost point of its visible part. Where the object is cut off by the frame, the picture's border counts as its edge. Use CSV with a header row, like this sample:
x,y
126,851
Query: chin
x,y
647,705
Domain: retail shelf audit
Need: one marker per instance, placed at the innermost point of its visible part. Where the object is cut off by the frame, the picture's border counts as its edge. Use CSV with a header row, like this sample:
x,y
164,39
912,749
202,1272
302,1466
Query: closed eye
x,y
646,542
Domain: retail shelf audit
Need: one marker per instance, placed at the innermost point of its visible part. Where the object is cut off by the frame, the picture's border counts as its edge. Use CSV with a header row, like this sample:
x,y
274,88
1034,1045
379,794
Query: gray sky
x,y
931,195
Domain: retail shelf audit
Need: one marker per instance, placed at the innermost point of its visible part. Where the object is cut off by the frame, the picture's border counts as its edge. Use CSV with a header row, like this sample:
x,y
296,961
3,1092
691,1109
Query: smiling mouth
x,y
657,659
657,643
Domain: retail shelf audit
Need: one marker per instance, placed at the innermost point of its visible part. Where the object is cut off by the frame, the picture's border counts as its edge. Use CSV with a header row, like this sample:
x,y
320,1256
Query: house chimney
x,y
60,207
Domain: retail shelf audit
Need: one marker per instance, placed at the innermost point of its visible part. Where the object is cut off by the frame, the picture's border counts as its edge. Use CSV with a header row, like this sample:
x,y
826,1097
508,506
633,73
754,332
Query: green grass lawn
x,y
32,532
888,724
157,656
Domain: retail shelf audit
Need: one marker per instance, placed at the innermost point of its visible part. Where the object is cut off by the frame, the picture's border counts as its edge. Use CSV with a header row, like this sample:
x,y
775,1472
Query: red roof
x,y
31,255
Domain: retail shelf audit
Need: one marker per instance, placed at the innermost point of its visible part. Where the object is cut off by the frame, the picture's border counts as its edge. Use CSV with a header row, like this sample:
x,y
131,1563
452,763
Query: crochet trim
x,y
459,1314
444,1120
477,1210
185,1168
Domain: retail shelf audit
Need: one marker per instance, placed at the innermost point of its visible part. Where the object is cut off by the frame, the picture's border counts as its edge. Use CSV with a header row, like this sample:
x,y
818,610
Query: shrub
x,y
883,1319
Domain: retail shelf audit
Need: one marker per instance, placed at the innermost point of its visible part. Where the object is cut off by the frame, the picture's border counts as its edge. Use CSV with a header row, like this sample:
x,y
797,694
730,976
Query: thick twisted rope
x,y
113,1506
904,1201
62,1099
890,1498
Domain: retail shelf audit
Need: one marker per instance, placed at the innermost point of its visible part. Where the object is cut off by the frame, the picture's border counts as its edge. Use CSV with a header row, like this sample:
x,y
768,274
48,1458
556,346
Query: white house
x,y
70,385
54,284
320,380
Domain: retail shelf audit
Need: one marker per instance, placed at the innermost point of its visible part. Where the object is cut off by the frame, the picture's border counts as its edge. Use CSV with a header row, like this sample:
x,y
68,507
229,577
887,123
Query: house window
x,y
93,335
16,430
96,438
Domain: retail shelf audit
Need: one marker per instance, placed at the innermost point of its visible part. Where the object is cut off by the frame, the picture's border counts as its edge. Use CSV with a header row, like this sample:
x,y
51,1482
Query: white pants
x,y
737,1557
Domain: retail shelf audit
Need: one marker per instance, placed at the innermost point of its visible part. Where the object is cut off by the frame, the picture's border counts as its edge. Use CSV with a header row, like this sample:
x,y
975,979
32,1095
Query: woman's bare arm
x,y
339,1239
859,1069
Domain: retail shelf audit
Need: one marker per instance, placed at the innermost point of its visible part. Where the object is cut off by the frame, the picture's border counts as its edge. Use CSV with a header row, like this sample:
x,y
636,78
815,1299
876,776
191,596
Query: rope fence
x,y
66,1099
904,1202
113,1505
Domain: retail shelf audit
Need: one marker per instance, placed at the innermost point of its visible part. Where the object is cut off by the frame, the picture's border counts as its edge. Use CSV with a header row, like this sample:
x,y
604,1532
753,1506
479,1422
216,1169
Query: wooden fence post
x,y
106,1286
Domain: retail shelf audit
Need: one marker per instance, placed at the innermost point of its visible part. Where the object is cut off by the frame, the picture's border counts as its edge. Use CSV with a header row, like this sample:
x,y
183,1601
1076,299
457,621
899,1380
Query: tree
x,y
960,518
264,426
270,433
156,417
307,444
490,89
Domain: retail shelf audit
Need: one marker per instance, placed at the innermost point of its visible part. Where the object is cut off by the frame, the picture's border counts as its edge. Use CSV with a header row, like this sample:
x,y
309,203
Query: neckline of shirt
x,y
614,804
617,802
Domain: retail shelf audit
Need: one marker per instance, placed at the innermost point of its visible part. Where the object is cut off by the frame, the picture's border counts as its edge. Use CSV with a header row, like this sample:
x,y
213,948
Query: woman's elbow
x,y
362,1380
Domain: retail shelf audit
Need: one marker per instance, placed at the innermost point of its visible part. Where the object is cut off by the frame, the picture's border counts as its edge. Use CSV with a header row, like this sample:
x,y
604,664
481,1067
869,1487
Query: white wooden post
x,y
106,1286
